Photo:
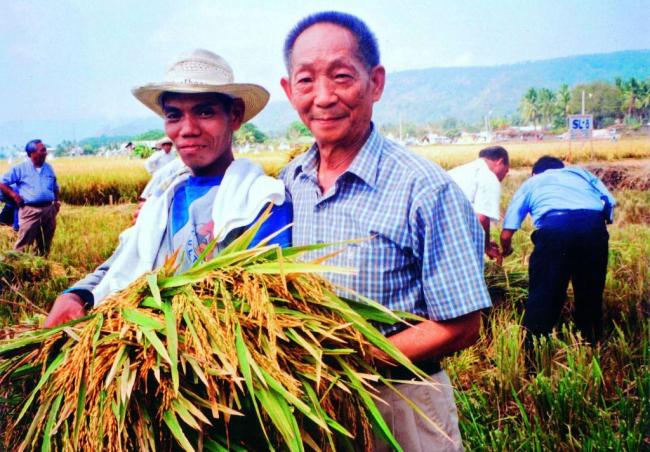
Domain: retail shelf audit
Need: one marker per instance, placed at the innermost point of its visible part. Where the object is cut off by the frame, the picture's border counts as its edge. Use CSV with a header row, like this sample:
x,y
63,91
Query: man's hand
x,y
67,306
492,251
20,202
506,242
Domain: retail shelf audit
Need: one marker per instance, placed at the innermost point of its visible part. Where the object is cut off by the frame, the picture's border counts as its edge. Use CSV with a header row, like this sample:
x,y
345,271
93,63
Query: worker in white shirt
x,y
480,180
162,156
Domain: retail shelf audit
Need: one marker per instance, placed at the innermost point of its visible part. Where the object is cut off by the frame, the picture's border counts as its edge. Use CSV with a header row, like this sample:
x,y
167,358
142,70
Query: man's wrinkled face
x,y
39,155
202,131
329,86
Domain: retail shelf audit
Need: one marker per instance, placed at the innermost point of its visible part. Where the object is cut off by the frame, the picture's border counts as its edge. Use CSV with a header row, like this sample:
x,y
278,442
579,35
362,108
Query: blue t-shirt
x,y
191,219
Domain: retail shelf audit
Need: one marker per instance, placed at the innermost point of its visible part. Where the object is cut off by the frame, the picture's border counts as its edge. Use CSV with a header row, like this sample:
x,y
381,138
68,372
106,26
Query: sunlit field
x,y
526,153
582,398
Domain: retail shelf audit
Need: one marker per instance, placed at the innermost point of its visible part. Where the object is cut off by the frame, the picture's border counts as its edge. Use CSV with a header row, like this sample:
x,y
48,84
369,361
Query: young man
x,y
568,207
36,196
481,180
426,251
211,196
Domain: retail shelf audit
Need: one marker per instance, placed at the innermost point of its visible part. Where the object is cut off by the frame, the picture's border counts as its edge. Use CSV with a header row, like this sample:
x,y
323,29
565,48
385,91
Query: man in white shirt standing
x,y
480,180
160,158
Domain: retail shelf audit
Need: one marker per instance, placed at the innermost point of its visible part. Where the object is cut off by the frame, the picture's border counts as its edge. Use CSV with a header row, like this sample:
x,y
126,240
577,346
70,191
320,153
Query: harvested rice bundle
x,y
249,350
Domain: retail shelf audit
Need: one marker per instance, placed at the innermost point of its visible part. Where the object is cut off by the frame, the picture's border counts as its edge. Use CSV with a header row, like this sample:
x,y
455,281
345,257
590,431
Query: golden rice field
x,y
583,399
525,153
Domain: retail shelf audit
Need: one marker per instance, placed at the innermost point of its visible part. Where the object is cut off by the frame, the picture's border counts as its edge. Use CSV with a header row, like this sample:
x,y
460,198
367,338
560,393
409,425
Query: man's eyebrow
x,y
166,108
338,62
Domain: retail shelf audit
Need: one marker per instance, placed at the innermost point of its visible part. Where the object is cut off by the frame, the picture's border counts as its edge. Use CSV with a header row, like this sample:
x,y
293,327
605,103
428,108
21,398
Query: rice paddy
x,y
583,398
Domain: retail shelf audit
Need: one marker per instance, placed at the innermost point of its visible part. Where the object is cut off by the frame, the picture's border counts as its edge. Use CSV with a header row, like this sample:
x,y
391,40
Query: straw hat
x,y
164,140
201,71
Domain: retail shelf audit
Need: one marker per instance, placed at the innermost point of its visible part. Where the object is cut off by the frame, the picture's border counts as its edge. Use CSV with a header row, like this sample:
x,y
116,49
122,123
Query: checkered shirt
x,y
426,251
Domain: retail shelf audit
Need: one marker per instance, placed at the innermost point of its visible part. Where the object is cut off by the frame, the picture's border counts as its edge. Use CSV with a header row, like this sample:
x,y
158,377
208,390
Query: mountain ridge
x,y
468,93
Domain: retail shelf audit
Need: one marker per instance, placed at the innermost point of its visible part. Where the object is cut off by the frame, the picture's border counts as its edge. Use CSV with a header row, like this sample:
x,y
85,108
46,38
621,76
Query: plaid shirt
x,y
426,251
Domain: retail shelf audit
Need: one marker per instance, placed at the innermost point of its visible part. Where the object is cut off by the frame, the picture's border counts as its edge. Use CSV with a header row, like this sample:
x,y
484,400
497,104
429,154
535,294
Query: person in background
x,y
161,157
570,208
212,197
481,180
36,195
424,254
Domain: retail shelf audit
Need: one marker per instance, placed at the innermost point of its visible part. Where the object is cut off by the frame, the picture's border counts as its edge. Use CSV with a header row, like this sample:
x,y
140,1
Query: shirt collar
x,y
365,165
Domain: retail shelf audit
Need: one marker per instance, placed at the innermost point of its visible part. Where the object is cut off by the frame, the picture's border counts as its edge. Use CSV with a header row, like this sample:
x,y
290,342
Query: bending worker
x,y
569,207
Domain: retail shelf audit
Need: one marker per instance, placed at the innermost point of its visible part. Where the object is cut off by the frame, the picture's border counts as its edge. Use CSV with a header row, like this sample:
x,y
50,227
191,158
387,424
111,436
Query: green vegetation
x,y
150,135
173,361
296,130
583,398
249,133
623,99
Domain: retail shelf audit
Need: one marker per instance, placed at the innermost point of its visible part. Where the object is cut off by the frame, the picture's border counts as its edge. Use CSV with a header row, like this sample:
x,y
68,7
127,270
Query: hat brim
x,y
254,96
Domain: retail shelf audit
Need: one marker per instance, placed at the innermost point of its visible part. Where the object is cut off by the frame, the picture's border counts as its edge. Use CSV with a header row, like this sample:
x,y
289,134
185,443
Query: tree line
x,y
624,101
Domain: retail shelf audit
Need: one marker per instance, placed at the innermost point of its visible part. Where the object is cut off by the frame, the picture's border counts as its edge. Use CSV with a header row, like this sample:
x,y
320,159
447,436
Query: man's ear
x,y
286,86
237,113
378,80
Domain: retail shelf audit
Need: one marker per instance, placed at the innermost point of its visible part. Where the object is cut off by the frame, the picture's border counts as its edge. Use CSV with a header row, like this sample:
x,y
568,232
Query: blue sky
x,y
72,59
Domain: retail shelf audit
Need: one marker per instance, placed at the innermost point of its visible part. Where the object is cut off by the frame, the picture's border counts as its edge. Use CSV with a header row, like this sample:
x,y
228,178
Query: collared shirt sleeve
x,y
450,242
55,187
11,176
518,209
598,185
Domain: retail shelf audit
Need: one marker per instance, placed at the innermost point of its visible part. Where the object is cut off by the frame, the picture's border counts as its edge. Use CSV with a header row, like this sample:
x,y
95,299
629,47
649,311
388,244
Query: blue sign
x,y
581,127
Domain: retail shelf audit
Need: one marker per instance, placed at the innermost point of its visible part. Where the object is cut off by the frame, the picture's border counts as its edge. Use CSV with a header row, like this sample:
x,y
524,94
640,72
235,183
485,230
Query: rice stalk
x,y
247,349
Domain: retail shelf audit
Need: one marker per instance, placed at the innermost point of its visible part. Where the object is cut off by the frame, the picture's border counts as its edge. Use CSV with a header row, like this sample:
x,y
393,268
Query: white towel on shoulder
x,y
243,193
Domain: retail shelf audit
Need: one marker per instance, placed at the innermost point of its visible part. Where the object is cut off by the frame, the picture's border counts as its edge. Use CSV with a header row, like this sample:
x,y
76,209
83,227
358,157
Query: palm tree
x,y
562,99
644,99
631,92
546,103
530,107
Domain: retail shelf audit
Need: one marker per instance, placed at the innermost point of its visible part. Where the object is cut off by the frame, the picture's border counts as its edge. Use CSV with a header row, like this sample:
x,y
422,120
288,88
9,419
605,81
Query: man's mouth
x,y
191,147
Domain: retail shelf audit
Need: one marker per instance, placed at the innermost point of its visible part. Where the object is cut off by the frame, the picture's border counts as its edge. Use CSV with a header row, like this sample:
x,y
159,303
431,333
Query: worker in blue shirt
x,y
36,194
570,208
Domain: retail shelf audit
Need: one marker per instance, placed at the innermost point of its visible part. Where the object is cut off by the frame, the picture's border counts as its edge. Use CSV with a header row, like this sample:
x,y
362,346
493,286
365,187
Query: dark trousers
x,y
570,246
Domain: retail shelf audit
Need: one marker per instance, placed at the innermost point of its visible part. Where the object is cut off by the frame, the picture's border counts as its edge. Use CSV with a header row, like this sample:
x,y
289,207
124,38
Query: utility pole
x,y
583,102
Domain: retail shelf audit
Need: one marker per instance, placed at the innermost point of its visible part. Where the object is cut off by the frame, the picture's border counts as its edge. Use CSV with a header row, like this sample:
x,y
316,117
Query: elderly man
x,y
211,197
481,180
37,197
161,157
569,207
425,249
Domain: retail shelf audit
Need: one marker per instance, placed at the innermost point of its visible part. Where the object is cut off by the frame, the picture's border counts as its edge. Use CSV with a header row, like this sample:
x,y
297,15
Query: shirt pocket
x,y
383,269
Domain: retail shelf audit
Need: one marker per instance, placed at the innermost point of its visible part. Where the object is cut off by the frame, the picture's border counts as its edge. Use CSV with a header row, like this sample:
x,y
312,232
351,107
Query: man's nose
x,y
324,92
190,125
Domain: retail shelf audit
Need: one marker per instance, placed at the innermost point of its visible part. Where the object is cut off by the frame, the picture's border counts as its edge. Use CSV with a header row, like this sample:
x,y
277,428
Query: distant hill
x,y
469,93
466,93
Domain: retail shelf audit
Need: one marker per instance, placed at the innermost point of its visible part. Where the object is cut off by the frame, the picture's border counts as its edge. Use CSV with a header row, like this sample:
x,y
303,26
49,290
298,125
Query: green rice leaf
x,y
274,268
141,319
172,423
368,402
152,280
172,342
157,344
46,375
47,433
